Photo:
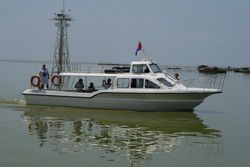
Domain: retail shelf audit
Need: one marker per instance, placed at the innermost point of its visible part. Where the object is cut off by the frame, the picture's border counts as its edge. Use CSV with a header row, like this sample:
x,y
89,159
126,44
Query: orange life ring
x,y
56,80
33,81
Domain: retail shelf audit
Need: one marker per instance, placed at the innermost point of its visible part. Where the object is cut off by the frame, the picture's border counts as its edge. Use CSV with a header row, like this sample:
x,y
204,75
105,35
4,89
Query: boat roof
x,y
128,74
82,74
143,61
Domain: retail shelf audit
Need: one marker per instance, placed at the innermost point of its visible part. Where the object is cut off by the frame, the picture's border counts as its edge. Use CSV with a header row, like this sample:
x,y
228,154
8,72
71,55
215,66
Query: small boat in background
x,y
211,69
242,70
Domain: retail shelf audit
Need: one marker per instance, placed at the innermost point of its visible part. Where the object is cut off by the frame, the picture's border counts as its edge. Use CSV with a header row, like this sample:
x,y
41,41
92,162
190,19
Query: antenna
x,y
63,7
61,62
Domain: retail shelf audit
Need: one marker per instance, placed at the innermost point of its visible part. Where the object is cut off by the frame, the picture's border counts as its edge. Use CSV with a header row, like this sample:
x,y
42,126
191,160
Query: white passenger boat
x,y
145,87
142,87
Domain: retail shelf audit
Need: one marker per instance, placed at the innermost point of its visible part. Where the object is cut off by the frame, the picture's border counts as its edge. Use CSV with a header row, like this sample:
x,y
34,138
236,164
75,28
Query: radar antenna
x,y
61,62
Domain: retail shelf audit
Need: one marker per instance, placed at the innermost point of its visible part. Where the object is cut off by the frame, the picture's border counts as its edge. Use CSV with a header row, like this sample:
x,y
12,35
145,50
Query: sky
x,y
172,32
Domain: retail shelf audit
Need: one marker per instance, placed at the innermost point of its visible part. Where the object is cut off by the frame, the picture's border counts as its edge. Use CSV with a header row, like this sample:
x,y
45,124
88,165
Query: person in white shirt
x,y
44,75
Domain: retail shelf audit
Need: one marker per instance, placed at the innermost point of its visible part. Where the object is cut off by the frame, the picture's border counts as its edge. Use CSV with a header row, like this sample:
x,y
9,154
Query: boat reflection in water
x,y
137,135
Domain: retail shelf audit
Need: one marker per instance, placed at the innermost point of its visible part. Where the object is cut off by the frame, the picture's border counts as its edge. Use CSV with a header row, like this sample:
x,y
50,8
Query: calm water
x,y
215,134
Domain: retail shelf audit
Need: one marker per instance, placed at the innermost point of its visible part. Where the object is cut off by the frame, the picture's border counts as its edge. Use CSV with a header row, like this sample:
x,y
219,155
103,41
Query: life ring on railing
x,y
35,81
56,80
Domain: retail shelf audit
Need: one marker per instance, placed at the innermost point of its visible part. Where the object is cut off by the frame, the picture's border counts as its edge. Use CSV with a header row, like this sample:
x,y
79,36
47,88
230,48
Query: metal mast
x,y
61,62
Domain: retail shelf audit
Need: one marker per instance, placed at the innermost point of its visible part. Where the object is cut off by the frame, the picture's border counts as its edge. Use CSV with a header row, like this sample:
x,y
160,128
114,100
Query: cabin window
x,y
151,85
165,82
122,83
155,68
137,83
140,68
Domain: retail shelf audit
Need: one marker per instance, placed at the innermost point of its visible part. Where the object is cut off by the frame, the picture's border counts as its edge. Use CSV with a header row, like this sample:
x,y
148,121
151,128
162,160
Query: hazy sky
x,y
172,32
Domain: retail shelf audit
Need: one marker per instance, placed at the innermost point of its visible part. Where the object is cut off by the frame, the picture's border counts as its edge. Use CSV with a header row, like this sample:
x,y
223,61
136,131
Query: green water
x,y
215,134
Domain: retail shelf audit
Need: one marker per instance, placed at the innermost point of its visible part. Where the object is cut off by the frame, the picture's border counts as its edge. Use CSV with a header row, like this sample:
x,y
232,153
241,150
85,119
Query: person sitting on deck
x,y
91,88
79,85
107,84
177,76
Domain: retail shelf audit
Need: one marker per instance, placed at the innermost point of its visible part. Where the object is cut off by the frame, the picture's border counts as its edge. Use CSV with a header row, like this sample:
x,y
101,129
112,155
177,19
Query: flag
x,y
139,47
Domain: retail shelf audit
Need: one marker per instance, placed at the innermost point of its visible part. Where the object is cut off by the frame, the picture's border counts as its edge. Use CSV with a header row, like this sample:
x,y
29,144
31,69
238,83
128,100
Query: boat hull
x,y
118,100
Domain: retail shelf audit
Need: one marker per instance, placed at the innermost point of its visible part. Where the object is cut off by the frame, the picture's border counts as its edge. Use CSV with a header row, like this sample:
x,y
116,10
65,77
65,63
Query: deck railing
x,y
94,68
214,81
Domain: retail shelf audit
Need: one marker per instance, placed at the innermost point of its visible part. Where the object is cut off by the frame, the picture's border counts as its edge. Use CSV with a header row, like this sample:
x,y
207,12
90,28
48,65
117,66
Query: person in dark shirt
x,y
91,88
79,85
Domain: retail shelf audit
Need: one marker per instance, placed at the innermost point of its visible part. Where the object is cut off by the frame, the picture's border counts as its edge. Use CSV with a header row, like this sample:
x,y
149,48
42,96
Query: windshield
x,y
155,68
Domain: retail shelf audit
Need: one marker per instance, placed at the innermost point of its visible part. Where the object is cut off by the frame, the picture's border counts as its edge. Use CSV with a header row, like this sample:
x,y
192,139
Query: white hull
x,y
142,101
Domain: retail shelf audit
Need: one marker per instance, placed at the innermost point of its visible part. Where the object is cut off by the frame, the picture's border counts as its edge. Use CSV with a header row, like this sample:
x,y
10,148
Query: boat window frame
x,y
156,85
143,68
155,70
123,82
166,82
143,82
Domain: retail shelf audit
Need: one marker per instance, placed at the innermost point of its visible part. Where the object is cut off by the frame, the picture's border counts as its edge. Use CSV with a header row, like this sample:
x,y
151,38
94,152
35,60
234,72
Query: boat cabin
x,y
142,75
144,67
